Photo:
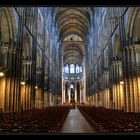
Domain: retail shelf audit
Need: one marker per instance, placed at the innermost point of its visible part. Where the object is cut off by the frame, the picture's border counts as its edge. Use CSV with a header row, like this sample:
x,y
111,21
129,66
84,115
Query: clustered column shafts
x,y
24,85
120,84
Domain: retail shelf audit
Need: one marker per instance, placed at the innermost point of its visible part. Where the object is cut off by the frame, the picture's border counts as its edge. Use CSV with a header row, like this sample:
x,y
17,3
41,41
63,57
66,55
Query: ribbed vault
x,y
72,53
72,20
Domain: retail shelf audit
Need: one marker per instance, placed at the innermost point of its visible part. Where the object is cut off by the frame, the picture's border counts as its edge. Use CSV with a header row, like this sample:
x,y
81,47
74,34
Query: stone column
x,y
84,77
122,99
80,93
117,83
121,86
134,79
75,93
127,83
63,86
64,95
137,84
69,95
103,90
124,68
113,86
130,80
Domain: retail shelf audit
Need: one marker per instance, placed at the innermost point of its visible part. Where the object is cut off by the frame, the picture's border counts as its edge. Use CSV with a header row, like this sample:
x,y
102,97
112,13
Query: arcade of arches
x,y
53,56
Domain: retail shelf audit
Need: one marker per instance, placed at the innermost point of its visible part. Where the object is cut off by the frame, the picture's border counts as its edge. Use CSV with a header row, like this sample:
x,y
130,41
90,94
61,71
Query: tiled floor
x,y
76,123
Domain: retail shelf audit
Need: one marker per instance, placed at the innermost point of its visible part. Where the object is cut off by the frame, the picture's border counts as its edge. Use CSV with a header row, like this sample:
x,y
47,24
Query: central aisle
x,y
76,123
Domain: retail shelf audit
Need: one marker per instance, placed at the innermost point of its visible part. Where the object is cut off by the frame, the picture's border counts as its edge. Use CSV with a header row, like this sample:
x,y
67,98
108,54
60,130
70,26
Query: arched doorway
x,y
72,94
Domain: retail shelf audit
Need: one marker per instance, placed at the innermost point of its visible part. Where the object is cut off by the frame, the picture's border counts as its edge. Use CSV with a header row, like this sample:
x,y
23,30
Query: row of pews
x,y
48,120
106,120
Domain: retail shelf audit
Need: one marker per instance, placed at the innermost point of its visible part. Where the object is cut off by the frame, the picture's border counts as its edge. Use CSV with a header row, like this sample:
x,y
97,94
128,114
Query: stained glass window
x,y
72,68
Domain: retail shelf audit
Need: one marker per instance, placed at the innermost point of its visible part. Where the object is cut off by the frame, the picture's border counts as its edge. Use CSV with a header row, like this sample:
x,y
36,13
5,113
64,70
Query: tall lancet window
x,y
80,69
77,68
66,69
72,68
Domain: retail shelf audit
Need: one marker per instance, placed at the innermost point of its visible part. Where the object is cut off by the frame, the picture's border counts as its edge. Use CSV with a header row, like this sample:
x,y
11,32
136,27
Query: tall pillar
x,y
134,79
103,90
130,86
64,95
137,83
75,93
80,93
69,95
127,81
116,84
34,56
122,100
124,68
62,83
84,76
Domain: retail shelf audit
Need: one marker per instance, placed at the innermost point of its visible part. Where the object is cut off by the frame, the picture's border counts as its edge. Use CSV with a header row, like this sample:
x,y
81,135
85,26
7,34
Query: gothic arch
x,y
40,28
133,32
7,14
8,36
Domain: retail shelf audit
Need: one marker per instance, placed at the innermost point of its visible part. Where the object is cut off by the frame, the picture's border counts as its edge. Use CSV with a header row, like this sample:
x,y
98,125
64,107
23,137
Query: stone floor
x,y
76,123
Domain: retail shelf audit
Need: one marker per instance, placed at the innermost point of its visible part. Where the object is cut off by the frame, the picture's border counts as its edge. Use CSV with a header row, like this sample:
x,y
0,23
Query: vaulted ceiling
x,y
72,20
72,53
